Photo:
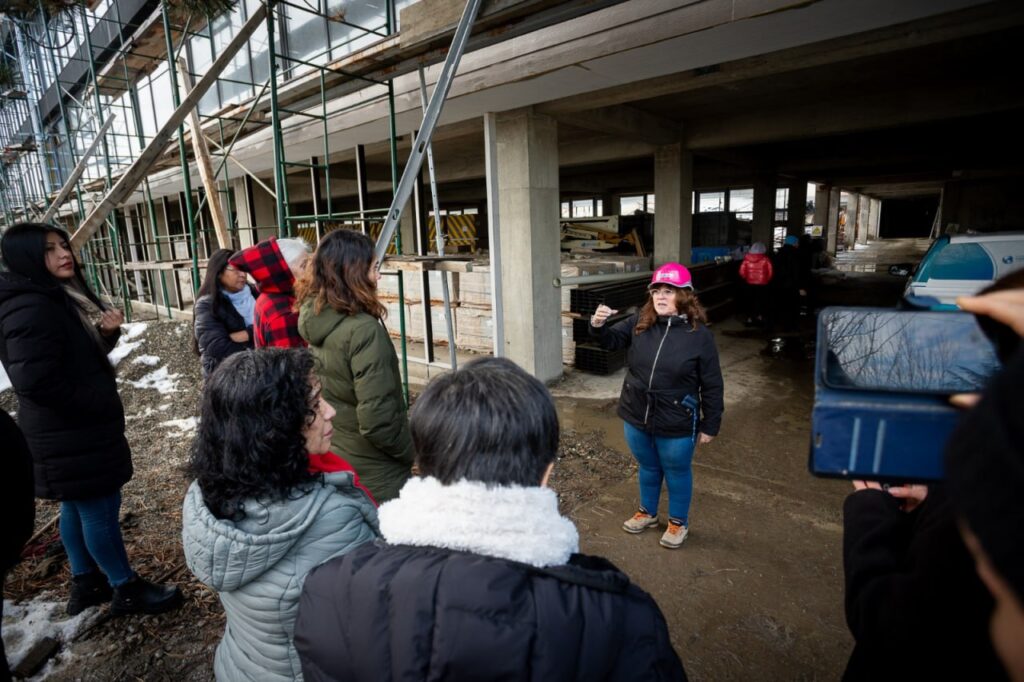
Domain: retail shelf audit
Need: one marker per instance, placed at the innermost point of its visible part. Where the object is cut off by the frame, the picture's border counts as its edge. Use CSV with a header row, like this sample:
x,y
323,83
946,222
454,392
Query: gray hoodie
x,y
258,565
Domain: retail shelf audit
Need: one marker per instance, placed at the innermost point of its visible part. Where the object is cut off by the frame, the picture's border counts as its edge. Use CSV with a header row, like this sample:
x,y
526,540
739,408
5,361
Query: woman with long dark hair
x,y
223,312
672,396
56,334
257,519
343,321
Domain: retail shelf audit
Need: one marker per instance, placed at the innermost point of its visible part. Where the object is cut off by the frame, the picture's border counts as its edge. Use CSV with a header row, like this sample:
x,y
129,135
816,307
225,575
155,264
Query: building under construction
x,y
630,130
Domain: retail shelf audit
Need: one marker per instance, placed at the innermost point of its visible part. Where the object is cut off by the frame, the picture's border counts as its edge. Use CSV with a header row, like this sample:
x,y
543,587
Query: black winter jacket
x,y
394,612
214,325
914,602
69,409
667,363
18,502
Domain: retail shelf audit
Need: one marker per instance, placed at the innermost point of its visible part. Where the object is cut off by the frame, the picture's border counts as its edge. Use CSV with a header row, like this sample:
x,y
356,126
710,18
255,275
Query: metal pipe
x,y
182,153
438,237
594,279
430,117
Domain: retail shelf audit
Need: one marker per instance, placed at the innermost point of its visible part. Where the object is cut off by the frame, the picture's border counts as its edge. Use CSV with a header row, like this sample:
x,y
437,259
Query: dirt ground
x,y
755,593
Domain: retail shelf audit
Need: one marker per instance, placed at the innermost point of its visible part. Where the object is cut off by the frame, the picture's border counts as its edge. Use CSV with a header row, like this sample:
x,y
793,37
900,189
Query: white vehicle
x,y
962,265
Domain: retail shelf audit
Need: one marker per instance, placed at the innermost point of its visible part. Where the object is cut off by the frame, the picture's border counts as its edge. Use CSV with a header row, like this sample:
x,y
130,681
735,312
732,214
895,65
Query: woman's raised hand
x,y
110,321
601,315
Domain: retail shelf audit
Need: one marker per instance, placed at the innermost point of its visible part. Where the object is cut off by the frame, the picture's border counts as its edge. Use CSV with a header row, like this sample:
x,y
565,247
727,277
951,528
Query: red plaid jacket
x,y
274,322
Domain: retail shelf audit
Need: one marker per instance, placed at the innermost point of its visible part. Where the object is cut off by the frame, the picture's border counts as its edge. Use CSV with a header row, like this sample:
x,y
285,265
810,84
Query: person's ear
x,y
547,475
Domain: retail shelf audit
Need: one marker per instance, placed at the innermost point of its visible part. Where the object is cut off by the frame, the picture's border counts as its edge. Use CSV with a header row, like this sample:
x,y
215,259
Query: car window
x,y
958,261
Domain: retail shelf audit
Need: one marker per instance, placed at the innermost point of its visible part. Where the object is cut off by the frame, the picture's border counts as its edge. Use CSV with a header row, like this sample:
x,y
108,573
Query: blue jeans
x,y
91,533
665,459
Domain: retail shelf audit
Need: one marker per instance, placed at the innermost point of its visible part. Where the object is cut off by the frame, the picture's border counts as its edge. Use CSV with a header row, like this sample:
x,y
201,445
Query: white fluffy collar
x,y
506,522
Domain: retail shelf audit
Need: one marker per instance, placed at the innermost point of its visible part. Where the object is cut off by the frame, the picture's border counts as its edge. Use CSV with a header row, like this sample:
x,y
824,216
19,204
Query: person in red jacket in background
x,y
756,271
274,264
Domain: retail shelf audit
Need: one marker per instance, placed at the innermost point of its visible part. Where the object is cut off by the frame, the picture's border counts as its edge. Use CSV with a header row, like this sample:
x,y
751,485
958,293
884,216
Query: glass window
x,y
163,105
741,200
600,207
345,38
260,58
201,50
630,205
565,210
650,203
307,37
782,197
711,202
583,208
236,78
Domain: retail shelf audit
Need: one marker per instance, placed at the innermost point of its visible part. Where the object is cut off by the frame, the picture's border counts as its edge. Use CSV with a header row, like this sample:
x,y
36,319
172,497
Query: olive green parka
x,y
359,376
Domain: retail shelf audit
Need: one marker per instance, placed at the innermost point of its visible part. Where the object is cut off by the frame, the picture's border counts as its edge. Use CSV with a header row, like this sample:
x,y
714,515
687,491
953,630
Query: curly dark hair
x,y
250,443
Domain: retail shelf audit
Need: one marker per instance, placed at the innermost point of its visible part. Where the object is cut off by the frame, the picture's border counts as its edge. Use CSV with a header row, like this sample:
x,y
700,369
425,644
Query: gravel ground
x,y
160,382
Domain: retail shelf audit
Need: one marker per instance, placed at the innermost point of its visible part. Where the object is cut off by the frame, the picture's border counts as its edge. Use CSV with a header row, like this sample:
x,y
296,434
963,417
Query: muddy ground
x,y
755,593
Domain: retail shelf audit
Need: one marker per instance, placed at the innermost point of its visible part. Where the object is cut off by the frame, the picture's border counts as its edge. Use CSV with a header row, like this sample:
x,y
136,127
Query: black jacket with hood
x,y
215,321
667,363
69,409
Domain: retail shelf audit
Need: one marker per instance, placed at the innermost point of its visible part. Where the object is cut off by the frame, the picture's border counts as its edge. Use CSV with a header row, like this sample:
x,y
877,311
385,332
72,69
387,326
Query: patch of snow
x,y
150,360
184,427
160,380
122,350
5,383
130,330
164,407
26,623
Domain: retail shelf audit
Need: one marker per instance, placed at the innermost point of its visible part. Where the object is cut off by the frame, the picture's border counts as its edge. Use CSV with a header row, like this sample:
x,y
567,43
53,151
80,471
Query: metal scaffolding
x,y
87,132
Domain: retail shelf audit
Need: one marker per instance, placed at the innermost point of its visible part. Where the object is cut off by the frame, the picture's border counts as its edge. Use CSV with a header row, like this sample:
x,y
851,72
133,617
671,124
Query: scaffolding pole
x,y
131,178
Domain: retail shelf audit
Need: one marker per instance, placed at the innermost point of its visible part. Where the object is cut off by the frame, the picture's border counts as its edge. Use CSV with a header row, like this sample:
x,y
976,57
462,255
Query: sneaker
x,y
138,595
88,589
674,536
640,522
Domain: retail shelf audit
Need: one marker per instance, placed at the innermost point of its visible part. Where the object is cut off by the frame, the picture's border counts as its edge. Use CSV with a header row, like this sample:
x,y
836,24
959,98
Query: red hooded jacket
x,y
756,269
274,322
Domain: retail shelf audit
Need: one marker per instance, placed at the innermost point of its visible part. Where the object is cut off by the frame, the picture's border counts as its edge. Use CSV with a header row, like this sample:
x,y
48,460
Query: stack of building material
x,y
472,317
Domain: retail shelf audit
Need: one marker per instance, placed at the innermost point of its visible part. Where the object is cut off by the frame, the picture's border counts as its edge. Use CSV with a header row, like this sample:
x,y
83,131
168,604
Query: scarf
x,y
244,303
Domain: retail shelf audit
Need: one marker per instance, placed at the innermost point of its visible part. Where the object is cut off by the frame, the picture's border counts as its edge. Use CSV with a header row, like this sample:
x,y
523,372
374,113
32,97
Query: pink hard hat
x,y
672,274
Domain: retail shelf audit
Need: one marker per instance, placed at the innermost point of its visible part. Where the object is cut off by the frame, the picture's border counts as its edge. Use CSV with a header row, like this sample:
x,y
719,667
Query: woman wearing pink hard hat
x,y
671,398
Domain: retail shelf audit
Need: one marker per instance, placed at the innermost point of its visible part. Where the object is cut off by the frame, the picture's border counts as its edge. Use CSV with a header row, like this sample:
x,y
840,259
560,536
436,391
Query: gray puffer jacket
x,y
258,566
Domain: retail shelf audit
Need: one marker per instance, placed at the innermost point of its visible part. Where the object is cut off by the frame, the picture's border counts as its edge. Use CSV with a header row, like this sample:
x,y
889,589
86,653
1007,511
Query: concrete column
x,y
831,227
796,210
863,212
673,219
407,228
852,216
244,217
874,217
761,230
264,215
821,206
527,187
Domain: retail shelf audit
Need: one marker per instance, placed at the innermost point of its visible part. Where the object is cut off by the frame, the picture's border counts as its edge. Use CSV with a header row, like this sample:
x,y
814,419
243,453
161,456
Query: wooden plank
x,y
127,183
202,154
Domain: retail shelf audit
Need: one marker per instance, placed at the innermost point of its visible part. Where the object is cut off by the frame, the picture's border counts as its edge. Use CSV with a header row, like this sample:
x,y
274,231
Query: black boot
x,y
138,595
89,589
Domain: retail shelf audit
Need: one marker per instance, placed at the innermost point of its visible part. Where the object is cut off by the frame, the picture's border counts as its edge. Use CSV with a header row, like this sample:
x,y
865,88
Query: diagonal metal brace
x,y
430,117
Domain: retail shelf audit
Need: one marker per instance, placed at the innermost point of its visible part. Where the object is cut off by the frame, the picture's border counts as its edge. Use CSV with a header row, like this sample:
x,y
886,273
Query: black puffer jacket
x,y
667,363
387,612
69,409
215,322
18,504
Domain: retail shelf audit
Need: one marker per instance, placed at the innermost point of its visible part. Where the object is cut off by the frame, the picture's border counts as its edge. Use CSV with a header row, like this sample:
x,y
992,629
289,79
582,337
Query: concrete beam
x,y
942,28
624,121
833,116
